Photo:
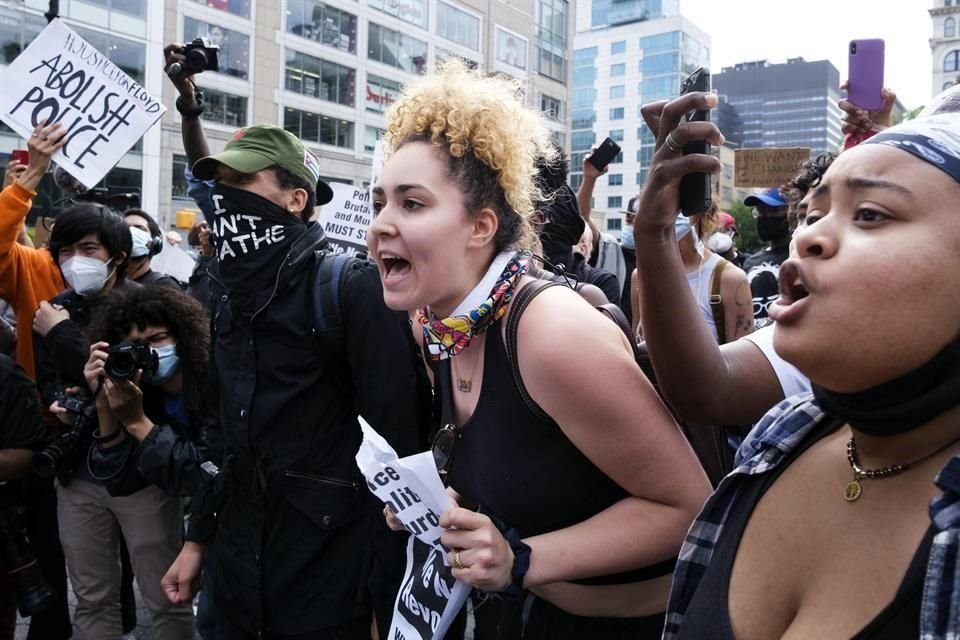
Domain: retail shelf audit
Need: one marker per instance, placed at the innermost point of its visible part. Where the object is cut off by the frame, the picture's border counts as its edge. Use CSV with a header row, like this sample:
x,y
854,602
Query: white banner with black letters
x,y
429,598
60,77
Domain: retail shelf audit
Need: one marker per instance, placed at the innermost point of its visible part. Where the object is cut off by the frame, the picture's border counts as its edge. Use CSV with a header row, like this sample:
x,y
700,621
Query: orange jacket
x,y
27,276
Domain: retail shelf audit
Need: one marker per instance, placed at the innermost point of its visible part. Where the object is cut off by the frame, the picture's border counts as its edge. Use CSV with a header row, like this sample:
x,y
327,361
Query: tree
x,y
748,241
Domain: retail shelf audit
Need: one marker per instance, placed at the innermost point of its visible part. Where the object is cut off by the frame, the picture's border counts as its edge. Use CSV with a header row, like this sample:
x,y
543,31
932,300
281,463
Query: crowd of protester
x,y
758,445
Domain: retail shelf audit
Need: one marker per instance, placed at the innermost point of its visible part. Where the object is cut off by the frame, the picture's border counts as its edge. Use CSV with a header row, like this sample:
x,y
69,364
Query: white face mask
x,y
720,242
85,275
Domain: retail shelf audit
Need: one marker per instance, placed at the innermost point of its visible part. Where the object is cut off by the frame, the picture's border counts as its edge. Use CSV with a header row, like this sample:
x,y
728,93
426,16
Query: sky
x,y
743,30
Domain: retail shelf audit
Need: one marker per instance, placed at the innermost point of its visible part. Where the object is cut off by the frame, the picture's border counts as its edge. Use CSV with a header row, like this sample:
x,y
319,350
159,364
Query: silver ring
x,y
34,135
670,142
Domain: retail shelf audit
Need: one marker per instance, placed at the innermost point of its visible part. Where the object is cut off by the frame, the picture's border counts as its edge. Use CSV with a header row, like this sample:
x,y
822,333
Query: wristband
x,y
195,111
521,563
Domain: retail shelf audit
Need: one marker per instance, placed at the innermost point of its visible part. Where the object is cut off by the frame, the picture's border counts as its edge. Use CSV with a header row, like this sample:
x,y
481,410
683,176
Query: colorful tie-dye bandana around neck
x,y
447,337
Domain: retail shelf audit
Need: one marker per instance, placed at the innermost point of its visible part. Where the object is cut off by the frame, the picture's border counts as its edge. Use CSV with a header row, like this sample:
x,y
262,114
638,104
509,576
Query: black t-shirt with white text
x,y
763,268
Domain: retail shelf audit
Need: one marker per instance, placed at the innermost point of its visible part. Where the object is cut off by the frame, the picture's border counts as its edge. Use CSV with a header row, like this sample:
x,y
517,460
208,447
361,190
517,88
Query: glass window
x,y
322,23
949,28
659,87
458,26
551,40
584,76
584,119
614,202
616,114
952,61
443,54
234,46
412,11
616,135
582,140
320,78
132,7
236,7
618,47
660,64
618,91
584,57
370,137
381,93
660,42
17,30
179,188
552,107
584,98
615,179
617,159
318,129
618,69
511,49
224,108
614,224
396,49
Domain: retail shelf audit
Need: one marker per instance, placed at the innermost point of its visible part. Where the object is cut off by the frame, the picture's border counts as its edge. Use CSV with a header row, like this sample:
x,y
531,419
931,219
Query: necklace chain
x,y
465,384
853,489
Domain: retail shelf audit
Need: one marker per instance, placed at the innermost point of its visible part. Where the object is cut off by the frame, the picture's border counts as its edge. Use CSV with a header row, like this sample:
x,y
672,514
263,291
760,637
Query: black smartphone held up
x,y
695,194
606,152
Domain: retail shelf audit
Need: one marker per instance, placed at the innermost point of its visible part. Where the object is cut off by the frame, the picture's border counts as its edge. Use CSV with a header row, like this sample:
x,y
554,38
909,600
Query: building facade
x,y
626,53
945,44
325,70
780,105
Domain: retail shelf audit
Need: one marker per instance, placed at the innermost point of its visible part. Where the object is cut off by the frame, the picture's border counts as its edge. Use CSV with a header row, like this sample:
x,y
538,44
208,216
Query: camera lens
x,y
197,60
853,48
120,366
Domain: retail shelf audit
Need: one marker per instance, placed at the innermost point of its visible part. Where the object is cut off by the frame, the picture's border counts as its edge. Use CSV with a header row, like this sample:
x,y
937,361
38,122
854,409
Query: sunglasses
x,y
444,446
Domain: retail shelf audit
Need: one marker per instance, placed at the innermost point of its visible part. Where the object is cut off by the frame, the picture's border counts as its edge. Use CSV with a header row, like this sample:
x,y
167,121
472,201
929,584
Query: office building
x,y
626,53
780,105
945,44
325,70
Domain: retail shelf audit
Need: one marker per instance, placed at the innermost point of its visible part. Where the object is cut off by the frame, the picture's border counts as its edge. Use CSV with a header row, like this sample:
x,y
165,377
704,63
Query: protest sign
x,y
770,167
345,219
173,261
429,597
62,78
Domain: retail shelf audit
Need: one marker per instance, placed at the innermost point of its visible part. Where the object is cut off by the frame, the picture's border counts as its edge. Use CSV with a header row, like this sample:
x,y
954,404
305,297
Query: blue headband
x,y
934,139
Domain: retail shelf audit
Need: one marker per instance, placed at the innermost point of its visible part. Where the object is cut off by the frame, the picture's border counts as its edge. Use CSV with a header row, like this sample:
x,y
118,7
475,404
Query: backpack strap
x,y
716,301
324,300
619,318
519,303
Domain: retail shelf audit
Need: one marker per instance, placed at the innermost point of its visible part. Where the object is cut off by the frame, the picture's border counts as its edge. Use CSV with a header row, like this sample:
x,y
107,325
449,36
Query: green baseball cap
x,y
255,148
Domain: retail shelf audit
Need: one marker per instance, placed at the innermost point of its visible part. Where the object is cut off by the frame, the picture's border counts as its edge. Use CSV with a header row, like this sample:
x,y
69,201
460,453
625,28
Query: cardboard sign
x,y
345,218
768,167
61,78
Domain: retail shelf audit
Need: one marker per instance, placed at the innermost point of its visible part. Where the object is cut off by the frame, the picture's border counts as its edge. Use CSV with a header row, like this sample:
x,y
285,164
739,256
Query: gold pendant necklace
x,y
465,384
853,489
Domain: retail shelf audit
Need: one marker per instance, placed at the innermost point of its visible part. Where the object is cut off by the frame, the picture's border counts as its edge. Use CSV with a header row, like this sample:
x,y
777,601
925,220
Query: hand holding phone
x,y
695,192
865,77
606,152
20,155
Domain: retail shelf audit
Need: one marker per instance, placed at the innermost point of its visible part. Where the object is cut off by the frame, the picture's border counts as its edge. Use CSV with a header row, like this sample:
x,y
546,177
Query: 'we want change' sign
x,y
60,77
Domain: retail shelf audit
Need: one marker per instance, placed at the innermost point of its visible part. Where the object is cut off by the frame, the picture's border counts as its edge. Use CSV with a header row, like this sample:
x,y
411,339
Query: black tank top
x,y
708,615
521,468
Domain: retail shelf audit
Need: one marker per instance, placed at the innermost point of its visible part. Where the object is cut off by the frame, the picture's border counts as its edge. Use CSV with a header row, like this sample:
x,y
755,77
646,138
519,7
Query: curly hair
x,y
811,172
143,307
491,139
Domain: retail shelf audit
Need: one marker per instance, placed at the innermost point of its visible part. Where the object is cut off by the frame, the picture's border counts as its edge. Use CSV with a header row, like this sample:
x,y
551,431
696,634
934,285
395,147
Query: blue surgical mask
x,y
169,363
682,226
626,238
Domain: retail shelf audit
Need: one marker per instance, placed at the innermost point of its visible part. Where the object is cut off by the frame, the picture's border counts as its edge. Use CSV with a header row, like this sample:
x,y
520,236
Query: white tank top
x,y
700,282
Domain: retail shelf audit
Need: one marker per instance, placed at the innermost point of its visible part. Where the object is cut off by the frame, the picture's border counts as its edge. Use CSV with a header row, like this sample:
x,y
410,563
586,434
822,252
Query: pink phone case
x,y
865,79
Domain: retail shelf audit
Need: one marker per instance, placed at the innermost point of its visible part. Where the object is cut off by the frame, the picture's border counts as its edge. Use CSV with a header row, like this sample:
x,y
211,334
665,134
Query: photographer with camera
x,y
301,548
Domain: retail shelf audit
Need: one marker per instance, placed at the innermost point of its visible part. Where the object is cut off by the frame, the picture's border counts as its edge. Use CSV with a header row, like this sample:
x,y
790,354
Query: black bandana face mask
x,y
252,236
772,228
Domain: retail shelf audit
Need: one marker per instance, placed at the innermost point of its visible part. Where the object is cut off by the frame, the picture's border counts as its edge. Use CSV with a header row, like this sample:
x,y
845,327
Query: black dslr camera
x,y
125,358
68,446
33,593
200,56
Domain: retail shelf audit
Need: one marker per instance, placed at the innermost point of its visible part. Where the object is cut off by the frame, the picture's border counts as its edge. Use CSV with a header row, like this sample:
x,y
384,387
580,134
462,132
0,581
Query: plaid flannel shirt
x,y
769,443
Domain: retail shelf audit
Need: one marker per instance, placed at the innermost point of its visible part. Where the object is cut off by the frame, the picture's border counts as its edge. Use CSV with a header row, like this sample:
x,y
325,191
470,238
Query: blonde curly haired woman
x,y
572,504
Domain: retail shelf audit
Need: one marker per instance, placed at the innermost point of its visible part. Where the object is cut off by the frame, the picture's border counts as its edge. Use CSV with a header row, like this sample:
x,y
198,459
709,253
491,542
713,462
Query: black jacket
x,y
297,528
152,277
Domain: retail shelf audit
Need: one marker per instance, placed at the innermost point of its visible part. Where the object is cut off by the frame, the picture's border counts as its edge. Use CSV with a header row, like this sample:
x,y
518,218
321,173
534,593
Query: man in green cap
x,y
302,344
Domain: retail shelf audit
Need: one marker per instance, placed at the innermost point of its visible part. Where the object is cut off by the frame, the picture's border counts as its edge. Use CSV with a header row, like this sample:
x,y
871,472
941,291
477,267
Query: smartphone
x,y
606,152
695,196
865,77
20,155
